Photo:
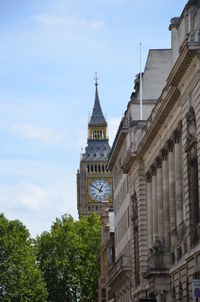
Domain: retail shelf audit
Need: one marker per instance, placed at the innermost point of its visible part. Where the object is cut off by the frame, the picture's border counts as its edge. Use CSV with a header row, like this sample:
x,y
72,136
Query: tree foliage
x,y
69,258
20,276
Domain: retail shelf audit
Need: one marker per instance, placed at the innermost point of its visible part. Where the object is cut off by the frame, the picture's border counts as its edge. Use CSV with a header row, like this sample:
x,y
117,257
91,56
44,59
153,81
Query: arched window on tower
x,y
99,168
95,168
103,169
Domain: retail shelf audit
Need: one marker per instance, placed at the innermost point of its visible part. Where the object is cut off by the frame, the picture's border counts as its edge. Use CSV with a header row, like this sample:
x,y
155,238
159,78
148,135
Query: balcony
x,y
121,270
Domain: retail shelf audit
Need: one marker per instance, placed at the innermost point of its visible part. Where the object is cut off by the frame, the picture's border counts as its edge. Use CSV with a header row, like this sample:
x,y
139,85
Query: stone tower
x,y
94,182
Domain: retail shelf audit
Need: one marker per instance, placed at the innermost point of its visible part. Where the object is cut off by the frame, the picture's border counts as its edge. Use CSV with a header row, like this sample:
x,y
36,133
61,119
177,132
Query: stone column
x,y
159,180
172,201
178,183
166,206
150,210
154,201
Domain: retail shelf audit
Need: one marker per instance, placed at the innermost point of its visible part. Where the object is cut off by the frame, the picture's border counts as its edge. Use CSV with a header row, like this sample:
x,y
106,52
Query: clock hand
x,y
96,188
100,189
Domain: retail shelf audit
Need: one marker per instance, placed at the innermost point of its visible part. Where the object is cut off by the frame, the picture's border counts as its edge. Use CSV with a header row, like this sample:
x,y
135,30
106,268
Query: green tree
x,y
69,258
20,276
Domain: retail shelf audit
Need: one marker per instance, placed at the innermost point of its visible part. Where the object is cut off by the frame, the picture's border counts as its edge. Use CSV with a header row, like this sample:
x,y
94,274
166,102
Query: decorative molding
x,y
157,119
188,51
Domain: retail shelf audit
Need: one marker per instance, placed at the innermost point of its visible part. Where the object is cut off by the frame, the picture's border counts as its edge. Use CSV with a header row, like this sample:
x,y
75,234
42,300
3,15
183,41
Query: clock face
x,y
100,190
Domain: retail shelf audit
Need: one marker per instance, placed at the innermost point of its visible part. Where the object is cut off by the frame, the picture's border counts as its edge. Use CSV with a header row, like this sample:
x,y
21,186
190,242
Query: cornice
x,y
177,20
130,156
169,95
161,110
188,51
159,116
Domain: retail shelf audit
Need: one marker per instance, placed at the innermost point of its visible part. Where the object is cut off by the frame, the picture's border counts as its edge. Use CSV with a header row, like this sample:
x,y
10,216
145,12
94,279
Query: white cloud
x,y
68,21
97,24
33,197
44,135
113,125
38,205
24,196
48,20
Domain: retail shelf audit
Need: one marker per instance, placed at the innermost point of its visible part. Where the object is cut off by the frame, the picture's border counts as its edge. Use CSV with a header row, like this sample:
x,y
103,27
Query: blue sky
x,y
49,52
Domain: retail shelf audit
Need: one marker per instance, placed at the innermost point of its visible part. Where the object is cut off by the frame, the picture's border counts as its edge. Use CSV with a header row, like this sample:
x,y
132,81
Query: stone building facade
x,y
156,175
129,132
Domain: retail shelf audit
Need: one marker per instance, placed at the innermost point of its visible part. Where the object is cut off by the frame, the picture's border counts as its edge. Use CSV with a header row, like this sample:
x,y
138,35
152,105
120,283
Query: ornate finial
x,y
96,79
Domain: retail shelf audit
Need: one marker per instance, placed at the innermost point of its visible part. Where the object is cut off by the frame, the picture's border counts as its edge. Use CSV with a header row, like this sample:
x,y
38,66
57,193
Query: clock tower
x,y
94,182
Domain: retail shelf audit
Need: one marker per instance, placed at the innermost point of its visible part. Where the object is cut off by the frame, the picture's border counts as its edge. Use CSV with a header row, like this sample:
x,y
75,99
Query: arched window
x,y
99,168
103,168
92,169
95,168
88,168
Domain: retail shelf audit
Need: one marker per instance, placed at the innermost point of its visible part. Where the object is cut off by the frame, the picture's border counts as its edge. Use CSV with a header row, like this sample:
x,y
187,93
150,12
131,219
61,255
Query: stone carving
x,y
137,84
157,245
191,125
158,256
126,122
